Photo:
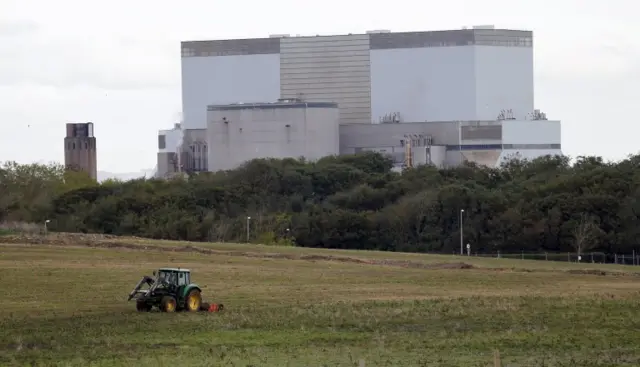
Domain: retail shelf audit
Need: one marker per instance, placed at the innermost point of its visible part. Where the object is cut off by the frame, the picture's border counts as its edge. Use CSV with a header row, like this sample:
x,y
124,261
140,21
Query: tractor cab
x,y
173,277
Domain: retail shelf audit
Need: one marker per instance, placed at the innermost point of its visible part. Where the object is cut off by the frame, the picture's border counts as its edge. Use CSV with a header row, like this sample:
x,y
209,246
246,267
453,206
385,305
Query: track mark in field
x,y
137,244
113,242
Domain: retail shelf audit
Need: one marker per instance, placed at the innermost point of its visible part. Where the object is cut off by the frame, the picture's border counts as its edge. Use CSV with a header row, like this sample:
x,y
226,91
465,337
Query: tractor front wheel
x,y
168,304
143,306
193,301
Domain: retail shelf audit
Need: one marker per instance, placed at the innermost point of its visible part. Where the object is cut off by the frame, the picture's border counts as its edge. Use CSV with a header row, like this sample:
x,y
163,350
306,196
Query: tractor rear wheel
x,y
168,304
193,301
142,306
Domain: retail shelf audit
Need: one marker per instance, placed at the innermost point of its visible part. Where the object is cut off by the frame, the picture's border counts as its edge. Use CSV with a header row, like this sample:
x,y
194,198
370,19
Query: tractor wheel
x,y
168,304
193,301
143,306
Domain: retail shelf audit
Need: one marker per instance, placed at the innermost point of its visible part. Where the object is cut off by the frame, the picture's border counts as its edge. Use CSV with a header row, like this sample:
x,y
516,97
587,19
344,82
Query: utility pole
x,y
461,232
248,231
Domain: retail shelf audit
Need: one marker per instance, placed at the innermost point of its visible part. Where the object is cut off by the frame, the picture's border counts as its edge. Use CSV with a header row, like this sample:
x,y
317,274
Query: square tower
x,y
80,148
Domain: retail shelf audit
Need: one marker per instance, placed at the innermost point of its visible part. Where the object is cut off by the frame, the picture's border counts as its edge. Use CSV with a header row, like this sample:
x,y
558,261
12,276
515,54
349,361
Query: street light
x,y
45,225
248,219
461,233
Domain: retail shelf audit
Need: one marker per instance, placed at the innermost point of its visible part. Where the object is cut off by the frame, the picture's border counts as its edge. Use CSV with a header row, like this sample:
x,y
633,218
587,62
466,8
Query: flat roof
x,y
274,105
377,41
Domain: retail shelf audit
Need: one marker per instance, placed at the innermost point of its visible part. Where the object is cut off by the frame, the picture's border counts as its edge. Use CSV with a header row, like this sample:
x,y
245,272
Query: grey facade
x,y
167,164
288,129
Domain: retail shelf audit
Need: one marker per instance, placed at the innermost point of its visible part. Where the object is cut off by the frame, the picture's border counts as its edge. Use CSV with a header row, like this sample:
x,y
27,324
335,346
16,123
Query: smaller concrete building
x,y
80,148
289,128
238,133
449,143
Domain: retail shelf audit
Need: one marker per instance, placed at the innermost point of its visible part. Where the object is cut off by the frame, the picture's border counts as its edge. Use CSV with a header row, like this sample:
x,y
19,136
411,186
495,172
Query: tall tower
x,y
80,148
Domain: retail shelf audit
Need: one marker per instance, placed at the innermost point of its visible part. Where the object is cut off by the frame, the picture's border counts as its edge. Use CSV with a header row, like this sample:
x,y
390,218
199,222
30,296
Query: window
x,y
86,146
162,141
182,279
73,146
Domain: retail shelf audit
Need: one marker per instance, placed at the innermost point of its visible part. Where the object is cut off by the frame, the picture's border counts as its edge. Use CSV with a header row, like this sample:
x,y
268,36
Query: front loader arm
x,y
145,280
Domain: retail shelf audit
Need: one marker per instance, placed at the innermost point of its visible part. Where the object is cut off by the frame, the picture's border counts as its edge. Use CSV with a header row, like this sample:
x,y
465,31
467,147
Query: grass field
x,y
64,304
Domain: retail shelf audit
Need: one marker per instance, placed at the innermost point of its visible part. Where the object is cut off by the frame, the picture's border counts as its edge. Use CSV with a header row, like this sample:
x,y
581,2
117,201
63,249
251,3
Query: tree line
x,y
351,202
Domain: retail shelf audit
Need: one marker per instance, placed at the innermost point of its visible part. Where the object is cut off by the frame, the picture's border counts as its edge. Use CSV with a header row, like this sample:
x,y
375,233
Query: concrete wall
x,y
166,164
172,139
519,132
225,80
452,83
240,133
80,153
423,84
528,139
387,138
503,81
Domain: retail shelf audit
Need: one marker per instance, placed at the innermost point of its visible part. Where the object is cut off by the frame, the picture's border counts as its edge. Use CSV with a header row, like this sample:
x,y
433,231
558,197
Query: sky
x,y
117,64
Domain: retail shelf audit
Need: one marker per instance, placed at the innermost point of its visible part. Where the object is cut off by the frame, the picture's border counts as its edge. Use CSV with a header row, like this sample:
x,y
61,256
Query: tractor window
x,y
182,279
172,278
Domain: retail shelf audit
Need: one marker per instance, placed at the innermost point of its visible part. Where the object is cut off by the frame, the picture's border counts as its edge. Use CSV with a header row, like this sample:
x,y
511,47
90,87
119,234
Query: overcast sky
x,y
117,63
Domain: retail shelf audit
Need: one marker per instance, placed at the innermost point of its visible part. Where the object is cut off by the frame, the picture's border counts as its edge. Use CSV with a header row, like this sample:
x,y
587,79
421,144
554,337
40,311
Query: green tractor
x,y
170,291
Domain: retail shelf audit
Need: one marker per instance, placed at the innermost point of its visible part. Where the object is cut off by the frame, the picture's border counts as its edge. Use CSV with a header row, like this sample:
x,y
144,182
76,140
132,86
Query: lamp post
x,y
248,233
45,226
461,232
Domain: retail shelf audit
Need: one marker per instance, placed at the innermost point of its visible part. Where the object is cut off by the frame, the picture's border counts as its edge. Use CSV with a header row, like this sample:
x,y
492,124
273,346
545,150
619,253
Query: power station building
x,y
469,91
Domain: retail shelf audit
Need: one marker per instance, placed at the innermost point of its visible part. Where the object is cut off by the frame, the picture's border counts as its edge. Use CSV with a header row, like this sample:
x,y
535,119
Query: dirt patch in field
x,y
595,272
114,242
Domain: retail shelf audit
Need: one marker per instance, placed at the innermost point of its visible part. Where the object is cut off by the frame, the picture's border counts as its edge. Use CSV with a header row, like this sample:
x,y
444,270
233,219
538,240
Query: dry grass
x,y
65,304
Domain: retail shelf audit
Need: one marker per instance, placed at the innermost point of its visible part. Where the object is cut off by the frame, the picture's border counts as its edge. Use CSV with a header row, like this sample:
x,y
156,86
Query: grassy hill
x,y
64,303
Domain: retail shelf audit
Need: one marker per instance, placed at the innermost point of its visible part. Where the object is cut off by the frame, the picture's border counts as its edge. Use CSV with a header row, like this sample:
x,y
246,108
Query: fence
x,y
587,257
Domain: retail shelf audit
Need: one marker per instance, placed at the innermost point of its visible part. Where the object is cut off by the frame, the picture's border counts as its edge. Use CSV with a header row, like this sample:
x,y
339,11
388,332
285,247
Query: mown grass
x,y
64,306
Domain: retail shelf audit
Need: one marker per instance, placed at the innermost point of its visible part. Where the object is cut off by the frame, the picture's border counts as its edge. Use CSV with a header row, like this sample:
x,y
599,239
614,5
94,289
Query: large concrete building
x,y
467,74
80,148
468,93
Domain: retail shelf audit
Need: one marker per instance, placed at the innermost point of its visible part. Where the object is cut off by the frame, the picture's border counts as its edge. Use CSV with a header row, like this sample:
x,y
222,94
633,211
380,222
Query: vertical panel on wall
x,y
329,69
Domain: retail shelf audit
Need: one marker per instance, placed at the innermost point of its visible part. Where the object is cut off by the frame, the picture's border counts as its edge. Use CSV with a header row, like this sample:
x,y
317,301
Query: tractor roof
x,y
175,269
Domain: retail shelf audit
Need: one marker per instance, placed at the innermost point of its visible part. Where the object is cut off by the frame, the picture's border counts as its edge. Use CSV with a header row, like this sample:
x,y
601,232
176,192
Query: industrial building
x,y
80,149
465,74
449,143
286,129
465,94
